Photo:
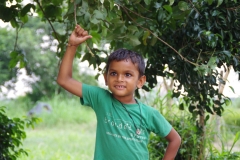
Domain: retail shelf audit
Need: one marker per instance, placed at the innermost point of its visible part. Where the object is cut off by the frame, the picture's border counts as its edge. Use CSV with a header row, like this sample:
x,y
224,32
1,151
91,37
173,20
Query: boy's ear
x,y
141,81
105,78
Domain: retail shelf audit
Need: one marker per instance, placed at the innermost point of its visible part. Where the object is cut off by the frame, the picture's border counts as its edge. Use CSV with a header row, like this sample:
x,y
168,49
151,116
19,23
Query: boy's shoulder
x,y
95,89
148,107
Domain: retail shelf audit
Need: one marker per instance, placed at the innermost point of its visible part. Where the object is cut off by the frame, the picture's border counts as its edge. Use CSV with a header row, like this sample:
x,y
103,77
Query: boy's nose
x,y
120,77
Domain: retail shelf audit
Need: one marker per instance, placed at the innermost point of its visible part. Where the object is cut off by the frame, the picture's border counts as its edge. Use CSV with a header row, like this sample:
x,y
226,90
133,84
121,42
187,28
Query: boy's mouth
x,y
119,87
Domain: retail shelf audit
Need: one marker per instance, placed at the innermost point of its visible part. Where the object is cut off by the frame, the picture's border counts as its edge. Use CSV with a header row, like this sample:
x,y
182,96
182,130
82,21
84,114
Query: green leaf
x,y
161,15
147,2
24,19
171,2
227,53
22,64
27,9
52,11
14,23
191,108
132,29
77,1
237,137
96,37
219,3
183,6
227,102
232,89
133,40
87,17
153,41
14,54
145,37
97,17
210,2
206,119
181,106
168,8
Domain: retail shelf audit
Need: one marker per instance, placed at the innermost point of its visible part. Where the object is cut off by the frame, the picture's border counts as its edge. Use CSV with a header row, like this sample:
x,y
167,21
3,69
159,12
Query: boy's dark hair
x,y
124,54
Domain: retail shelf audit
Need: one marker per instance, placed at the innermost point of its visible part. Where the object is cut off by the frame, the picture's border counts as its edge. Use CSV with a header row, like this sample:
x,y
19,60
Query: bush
x,y
11,135
189,134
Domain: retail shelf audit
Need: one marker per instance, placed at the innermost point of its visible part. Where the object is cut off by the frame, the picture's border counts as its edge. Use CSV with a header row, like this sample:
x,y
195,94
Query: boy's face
x,y
122,79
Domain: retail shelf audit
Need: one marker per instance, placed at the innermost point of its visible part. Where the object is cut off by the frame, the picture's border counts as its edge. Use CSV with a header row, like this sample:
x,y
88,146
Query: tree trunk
x,y
202,116
220,90
202,142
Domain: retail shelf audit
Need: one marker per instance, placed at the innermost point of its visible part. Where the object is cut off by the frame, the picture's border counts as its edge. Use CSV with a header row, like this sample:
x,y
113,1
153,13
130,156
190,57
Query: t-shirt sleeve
x,y
159,125
91,95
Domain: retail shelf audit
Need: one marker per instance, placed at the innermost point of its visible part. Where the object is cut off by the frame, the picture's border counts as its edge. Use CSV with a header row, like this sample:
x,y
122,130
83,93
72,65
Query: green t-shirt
x,y
116,137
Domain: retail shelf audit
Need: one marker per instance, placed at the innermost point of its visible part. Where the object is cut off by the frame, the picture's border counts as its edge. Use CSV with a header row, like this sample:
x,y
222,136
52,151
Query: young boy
x,y
123,123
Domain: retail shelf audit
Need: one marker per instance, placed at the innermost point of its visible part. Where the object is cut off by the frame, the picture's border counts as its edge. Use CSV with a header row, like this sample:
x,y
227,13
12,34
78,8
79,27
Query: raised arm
x,y
174,142
64,79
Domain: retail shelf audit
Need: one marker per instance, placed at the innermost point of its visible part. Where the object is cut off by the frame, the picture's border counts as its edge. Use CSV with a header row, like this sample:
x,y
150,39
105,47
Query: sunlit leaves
x,y
168,8
210,1
133,40
147,2
207,69
183,6
98,16
132,29
8,13
27,9
171,2
145,37
219,3
17,57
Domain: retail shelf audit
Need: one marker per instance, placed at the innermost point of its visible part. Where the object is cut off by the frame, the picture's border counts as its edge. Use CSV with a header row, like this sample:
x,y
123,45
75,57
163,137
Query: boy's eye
x,y
128,75
113,73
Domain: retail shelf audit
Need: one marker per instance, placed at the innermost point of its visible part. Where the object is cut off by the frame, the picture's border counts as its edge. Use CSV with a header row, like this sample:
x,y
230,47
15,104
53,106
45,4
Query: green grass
x,y
69,142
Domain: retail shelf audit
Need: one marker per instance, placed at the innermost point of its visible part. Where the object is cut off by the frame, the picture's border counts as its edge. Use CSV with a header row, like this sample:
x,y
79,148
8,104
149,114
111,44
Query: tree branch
x,y
47,19
183,58
75,18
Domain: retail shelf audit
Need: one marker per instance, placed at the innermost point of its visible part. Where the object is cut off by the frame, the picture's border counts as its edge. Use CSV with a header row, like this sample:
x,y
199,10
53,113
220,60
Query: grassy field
x,y
69,142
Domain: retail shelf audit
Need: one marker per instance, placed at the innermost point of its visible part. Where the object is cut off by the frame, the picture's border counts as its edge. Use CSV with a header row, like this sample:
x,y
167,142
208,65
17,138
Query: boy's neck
x,y
126,100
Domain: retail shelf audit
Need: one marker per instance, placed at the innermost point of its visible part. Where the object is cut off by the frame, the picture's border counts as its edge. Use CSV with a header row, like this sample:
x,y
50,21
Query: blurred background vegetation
x,y
30,52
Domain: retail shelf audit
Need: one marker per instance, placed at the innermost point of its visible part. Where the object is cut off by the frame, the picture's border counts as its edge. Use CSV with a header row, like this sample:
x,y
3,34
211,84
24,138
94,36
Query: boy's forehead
x,y
126,63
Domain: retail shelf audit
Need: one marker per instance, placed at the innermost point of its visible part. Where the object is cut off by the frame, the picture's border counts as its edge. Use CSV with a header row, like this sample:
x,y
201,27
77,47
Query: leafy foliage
x,y
5,49
36,54
11,135
190,38
187,41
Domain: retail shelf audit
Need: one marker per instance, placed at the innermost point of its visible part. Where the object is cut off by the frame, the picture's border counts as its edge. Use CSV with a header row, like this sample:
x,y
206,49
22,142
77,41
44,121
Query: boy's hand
x,y
78,36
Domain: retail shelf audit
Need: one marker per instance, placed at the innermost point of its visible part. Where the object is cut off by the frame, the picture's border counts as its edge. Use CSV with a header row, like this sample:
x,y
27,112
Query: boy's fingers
x,y
79,31
87,37
84,33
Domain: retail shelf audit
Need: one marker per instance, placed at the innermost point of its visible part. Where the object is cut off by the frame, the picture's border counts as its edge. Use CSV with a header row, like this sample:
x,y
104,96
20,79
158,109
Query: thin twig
x,y
199,55
75,13
136,13
183,58
47,19
194,7
75,17
233,8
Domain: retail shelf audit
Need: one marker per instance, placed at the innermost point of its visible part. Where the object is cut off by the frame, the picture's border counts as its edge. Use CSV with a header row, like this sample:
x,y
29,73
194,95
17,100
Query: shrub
x,y
11,135
189,134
